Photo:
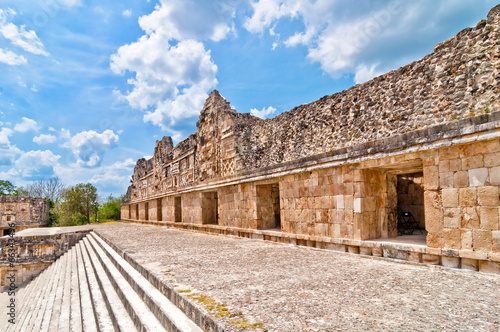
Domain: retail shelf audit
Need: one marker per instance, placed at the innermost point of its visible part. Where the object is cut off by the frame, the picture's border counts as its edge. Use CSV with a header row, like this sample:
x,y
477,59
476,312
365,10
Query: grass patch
x,y
221,310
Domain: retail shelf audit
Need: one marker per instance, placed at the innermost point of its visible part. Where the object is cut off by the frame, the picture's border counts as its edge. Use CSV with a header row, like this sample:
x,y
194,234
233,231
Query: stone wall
x,y
424,138
459,79
24,211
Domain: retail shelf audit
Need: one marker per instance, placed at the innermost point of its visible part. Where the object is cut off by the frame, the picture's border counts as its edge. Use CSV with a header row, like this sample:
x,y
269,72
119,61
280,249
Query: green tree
x,y
110,209
79,205
7,188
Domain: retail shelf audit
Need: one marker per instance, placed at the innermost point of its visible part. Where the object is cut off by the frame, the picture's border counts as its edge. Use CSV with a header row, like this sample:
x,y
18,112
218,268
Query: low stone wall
x,y
33,254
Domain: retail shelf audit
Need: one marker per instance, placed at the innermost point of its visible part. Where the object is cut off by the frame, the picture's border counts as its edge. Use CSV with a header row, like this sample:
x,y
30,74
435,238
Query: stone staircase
x,y
92,288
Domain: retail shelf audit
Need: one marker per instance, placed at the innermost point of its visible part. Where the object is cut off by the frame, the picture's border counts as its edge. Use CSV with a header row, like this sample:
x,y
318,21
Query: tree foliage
x,y
7,188
110,209
79,204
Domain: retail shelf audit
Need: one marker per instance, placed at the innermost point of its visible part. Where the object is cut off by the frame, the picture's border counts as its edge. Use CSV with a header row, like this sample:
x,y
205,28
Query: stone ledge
x,y
453,258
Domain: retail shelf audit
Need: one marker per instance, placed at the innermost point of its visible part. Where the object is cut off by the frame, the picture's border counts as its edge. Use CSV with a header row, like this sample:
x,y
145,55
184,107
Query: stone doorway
x,y
177,209
159,214
405,206
268,206
210,208
146,211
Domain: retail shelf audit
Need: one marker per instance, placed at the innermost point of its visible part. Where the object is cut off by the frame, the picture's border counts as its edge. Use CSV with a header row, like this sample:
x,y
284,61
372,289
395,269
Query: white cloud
x,y
34,164
65,134
44,139
127,13
363,73
26,39
190,19
89,146
172,79
51,129
4,136
34,89
26,125
335,38
263,113
11,58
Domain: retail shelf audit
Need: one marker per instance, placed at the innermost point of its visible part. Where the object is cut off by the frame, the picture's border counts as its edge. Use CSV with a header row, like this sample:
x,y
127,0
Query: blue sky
x,y
87,86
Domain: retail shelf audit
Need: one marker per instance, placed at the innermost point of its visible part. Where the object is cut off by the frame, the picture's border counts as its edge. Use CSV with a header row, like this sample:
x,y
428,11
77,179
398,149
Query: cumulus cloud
x,y
26,125
70,3
89,146
335,39
263,113
363,73
173,72
44,139
36,164
26,39
11,58
4,136
127,13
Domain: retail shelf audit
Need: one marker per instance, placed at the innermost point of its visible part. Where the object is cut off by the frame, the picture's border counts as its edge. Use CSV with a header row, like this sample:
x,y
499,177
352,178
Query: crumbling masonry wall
x,y
330,169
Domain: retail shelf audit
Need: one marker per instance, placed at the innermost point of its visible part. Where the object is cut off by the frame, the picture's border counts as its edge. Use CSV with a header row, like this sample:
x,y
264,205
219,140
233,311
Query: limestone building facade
x,y
23,211
341,172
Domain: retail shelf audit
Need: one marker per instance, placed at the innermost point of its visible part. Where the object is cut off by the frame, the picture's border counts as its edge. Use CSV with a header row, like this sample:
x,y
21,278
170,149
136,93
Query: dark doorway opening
x,y
410,204
177,209
146,211
210,208
268,206
159,214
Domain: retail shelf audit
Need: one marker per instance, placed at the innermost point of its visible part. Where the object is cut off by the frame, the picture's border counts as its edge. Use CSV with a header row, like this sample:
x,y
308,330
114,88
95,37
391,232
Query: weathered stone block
x,y
492,159
321,229
495,241
449,153
461,179
489,267
453,262
450,197
452,218
470,218
415,256
396,254
478,177
335,247
340,201
353,249
431,259
431,177
455,165
466,239
365,251
435,240
468,197
452,238
481,240
472,162
489,196
433,212
495,175
488,217
470,264
446,179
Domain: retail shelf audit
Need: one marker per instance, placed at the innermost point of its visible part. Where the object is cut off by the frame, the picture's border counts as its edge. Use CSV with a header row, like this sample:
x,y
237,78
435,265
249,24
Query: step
x,y
103,317
32,296
58,275
89,322
75,314
173,318
143,318
119,315
60,322
47,282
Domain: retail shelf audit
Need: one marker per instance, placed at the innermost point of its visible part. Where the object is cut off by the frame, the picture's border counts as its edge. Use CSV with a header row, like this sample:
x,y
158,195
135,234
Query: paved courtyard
x,y
279,287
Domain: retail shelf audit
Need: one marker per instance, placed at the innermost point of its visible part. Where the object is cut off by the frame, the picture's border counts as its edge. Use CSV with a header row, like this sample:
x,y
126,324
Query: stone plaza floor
x,y
279,287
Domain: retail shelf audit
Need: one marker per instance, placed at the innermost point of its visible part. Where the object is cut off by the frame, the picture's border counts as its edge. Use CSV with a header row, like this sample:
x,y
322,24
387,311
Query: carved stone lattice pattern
x,y
228,167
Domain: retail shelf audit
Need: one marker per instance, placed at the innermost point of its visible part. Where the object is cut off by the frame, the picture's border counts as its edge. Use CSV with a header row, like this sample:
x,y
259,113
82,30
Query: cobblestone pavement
x,y
289,288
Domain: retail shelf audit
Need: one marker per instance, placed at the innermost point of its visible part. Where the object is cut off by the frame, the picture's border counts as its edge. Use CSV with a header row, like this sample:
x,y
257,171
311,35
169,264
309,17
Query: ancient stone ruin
x,y
347,171
23,211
